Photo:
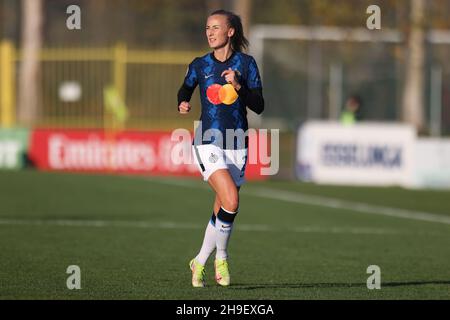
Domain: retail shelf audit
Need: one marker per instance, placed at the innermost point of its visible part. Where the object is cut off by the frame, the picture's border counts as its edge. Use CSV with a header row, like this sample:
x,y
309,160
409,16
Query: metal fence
x,y
309,72
7,84
147,81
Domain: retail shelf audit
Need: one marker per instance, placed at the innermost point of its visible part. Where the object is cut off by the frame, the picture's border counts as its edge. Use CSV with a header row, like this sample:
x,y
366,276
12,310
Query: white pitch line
x,y
97,223
348,205
327,202
173,225
274,194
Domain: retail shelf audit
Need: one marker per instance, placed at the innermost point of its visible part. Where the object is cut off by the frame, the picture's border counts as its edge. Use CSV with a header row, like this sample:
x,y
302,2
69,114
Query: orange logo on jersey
x,y
221,94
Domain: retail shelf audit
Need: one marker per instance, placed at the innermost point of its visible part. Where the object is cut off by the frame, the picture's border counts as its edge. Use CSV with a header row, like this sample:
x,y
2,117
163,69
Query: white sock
x,y
224,227
209,243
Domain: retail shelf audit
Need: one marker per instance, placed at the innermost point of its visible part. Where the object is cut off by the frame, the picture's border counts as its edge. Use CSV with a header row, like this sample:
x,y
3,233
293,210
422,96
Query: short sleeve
x,y
191,79
253,77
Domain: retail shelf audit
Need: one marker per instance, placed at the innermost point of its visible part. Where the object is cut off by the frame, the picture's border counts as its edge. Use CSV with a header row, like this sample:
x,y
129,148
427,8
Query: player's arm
x,y
252,98
187,88
184,96
250,91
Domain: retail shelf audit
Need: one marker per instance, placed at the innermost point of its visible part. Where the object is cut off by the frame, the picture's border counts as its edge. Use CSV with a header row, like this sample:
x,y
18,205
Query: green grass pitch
x,y
133,237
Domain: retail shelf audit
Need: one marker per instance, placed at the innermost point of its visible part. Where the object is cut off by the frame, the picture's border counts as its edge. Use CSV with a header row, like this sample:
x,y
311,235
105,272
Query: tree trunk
x,y
243,8
98,22
29,77
413,91
8,20
213,5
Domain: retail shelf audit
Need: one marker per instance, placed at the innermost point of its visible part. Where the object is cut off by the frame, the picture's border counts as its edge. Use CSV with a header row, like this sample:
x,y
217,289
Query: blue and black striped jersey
x,y
222,107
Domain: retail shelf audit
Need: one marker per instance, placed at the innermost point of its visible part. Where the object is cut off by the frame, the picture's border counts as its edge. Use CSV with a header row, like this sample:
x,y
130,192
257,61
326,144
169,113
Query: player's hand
x,y
231,78
184,107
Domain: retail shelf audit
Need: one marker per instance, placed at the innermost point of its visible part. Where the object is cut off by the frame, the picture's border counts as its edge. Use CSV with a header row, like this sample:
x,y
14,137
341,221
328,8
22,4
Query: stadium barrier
x,y
432,168
378,154
13,148
126,152
330,153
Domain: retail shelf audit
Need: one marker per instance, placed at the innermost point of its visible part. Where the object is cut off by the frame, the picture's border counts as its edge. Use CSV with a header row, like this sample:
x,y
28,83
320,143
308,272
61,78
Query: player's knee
x,y
231,202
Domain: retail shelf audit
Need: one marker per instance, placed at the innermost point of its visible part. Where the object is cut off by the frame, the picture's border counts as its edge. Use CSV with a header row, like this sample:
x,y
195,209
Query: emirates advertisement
x,y
127,152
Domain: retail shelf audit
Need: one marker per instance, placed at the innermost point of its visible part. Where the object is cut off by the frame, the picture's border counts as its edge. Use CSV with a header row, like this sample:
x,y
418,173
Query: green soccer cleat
x,y
222,273
198,274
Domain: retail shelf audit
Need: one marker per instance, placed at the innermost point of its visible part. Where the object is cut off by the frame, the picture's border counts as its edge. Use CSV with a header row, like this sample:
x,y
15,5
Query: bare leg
x,y
226,191
217,204
226,204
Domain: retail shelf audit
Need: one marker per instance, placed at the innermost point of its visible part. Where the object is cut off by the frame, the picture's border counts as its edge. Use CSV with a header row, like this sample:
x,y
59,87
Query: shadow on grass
x,y
247,286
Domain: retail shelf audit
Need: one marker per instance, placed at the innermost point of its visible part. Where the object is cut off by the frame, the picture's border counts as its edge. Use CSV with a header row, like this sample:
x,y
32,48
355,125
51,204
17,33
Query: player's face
x,y
218,31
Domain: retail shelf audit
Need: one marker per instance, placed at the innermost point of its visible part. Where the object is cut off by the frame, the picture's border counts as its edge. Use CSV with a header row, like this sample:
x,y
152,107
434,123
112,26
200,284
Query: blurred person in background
x,y
228,81
352,110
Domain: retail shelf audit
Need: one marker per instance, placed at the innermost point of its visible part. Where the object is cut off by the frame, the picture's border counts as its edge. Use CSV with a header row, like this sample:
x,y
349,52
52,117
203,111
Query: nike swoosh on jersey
x,y
208,76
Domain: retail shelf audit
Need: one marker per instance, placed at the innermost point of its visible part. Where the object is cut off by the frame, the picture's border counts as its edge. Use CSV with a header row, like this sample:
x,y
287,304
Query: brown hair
x,y
238,41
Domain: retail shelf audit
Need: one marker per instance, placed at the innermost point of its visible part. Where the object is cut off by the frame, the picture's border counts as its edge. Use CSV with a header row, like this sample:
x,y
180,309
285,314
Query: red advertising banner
x,y
128,152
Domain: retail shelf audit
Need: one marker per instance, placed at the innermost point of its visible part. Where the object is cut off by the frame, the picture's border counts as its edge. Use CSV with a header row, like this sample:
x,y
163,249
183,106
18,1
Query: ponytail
x,y
238,41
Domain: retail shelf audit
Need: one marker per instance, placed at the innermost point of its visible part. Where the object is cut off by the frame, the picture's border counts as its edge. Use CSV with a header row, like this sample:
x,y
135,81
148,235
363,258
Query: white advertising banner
x,y
432,163
378,154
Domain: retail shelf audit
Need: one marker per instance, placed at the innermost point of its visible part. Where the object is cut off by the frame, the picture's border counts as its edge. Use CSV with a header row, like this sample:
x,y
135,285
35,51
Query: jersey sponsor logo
x,y
218,94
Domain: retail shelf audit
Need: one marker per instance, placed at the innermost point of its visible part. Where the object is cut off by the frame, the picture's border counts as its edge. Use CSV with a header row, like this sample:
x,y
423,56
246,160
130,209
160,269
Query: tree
x,y
243,8
29,91
413,91
8,19
97,20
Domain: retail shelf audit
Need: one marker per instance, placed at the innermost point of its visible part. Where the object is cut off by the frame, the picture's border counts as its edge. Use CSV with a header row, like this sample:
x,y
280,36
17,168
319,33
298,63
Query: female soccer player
x,y
229,82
